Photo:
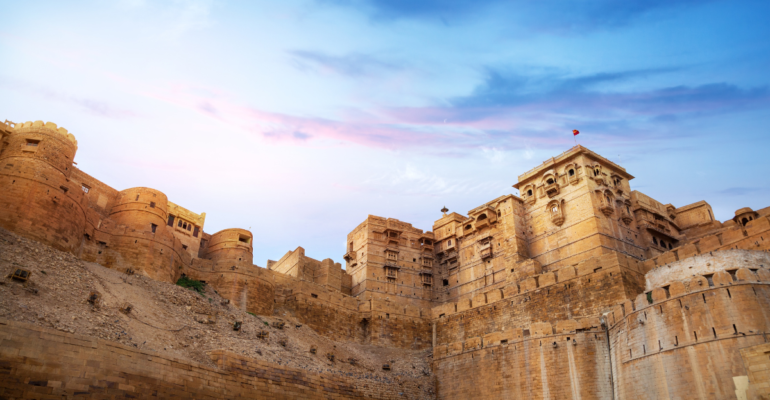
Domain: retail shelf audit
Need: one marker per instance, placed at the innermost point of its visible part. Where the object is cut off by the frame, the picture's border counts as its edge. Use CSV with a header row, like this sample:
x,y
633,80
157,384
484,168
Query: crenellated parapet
x,y
709,311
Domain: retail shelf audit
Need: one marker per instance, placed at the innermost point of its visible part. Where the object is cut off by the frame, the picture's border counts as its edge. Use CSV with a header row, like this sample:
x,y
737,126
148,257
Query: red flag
x,y
575,132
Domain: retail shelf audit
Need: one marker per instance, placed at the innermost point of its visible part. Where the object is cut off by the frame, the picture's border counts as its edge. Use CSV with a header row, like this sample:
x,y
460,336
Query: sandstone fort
x,y
580,288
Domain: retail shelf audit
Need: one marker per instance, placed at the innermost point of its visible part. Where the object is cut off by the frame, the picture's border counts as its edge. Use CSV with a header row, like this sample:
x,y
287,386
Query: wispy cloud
x,y
98,107
546,16
351,65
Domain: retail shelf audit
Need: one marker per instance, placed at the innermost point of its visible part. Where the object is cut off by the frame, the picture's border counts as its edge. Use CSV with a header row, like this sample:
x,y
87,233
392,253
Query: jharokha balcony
x,y
551,189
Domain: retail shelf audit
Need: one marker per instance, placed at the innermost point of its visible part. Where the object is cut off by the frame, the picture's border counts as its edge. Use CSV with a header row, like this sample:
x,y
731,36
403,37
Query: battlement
x,y
42,126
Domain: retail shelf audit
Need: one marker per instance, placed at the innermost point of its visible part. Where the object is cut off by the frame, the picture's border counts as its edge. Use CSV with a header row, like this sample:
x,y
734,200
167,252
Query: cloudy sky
x,y
296,119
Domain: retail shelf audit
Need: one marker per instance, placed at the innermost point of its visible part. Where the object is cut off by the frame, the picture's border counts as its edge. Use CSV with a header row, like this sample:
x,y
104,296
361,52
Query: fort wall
x,y
503,365
686,336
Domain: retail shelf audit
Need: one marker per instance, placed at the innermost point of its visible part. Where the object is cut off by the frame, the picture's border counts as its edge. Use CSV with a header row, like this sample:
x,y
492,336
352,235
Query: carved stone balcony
x,y
350,256
557,218
626,219
552,189
607,209
450,254
485,251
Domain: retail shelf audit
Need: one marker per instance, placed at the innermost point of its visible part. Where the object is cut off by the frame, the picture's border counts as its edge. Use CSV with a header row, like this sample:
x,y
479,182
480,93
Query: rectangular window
x,y
86,188
170,220
195,232
32,143
152,204
189,227
154,227
243,238
180,223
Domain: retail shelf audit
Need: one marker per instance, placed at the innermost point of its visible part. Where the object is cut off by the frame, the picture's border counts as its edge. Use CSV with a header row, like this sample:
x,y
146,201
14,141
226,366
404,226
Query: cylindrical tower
x,y
143,209
231,244
37,199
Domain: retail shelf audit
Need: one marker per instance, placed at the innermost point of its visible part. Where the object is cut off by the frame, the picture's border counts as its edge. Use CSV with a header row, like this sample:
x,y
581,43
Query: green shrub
x,y
191,284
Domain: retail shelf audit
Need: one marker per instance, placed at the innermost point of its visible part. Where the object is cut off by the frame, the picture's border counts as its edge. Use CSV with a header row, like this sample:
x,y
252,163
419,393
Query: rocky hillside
x,y
75,296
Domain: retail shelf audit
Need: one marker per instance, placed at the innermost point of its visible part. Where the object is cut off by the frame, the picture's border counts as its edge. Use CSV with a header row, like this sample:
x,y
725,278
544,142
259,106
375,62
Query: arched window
x,y
481,217
468,227
596,171
654,240
529,192
744,221
499,213
571,172
670,246
550,181
554,209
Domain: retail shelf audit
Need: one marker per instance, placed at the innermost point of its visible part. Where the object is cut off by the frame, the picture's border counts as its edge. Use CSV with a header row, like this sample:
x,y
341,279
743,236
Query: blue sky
x,y
296,119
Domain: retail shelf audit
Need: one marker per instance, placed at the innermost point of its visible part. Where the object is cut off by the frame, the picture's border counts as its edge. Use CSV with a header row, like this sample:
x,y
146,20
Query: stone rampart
x,y
685,337
534,363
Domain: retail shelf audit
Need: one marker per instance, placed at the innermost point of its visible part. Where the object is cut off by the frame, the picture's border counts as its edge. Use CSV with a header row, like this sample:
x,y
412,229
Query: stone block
x,y
510,290
455,348
677,289
666,258
479,300
722,278
528,284
687,251
464,304
525,269
709,244
566,273
494,295
547,279
472,344
539,329
588,267
658,295
566,326
764,275
746,275
492,339
758,226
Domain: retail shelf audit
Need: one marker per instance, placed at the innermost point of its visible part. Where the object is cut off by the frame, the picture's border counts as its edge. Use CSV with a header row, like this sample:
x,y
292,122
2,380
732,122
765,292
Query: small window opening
x,y
180,223
189,227
184,247
170,220
86,188
550,181
152,204
153,227
571,172
195,231
137,198
446,282
655,240
32,142
244,239
313,295
529,192
710,279
744,221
